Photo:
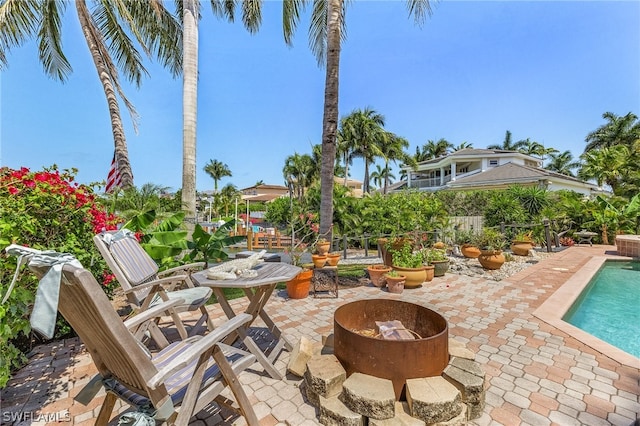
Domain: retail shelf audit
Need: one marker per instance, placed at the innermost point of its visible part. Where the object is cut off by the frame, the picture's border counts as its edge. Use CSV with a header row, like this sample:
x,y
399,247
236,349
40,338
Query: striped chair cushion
x,y
135,263
176,384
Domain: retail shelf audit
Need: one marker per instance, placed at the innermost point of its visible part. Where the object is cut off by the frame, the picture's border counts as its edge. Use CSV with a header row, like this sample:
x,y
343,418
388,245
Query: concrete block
x,y
459,420
301,354
402,417
370,396
470,385
325,375
433,399
333,412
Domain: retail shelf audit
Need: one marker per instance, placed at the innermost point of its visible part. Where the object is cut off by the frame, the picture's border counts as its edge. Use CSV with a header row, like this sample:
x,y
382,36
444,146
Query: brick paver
x,y
535,374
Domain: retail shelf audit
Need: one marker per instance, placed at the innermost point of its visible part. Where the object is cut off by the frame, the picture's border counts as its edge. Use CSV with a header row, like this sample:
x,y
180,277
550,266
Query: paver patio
x,y
536,374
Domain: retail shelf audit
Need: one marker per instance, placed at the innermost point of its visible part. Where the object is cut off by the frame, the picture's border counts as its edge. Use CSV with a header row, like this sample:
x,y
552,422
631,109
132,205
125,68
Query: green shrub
x,y
45,210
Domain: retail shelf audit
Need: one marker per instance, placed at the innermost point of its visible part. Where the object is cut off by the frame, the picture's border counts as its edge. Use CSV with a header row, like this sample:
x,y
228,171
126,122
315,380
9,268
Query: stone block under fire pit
x,y
433,399
324,377
370,396
333,412
467,376
402,418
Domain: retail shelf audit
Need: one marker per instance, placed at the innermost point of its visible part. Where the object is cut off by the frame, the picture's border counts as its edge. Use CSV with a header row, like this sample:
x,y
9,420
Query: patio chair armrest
x,y
151,313
182,268
198,348
159,281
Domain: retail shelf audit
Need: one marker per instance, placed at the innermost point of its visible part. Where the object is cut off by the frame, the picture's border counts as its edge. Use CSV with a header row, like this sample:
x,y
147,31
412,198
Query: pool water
x,y
609,307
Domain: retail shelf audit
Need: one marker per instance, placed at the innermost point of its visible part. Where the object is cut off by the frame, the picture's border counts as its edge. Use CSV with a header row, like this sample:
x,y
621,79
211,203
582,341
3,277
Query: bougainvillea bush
x,y
45,210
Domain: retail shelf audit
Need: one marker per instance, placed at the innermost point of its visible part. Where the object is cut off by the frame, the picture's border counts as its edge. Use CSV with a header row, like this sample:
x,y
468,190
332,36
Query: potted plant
x,y
322,246
491,243
409,263
333,258
298,287
395,281
439,260
388,245
376,274
464,240
522,242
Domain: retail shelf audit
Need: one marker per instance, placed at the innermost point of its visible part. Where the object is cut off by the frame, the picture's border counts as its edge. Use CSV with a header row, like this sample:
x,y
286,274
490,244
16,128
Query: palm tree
x,y
251,18
563,163
623,130
377,176
364,131
532,148
605,165
228,196
327,30
297,171
393,149
106,31
217,170
462,145
507,144
434,149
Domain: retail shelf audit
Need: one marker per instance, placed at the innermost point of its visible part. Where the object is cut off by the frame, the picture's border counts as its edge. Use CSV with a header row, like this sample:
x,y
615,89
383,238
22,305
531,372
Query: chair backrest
x,y
128,261
115,351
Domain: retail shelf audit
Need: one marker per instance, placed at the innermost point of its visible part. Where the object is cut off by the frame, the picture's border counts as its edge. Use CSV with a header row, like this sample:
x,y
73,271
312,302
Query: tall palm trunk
x,y
330,116
119,140
189,110
367,178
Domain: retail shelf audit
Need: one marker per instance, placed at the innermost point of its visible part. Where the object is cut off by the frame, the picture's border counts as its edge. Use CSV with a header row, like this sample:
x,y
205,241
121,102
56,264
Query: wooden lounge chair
x,y
169,386
145,286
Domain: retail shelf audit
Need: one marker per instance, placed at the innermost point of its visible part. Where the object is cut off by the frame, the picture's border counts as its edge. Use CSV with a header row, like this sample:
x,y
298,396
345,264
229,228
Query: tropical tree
x,y
532,148
563,163
364,131
298,173
326,32
433,149
507,144
606,166
217,170
228,196
393,149
462,145
107,30
618,130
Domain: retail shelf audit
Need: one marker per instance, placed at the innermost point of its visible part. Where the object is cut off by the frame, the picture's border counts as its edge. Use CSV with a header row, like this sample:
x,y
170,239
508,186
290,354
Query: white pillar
x,y
453,171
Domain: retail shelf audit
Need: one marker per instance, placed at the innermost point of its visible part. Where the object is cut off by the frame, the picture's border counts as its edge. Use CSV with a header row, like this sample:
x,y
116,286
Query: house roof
x,y
280,187
261,197
511,173
474,152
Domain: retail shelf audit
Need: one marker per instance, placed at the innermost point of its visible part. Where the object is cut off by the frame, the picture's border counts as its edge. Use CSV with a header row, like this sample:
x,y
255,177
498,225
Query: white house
x,y
471,168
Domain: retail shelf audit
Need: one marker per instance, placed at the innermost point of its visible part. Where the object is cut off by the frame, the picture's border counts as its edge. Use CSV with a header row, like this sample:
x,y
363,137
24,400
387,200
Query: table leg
x,y
256,302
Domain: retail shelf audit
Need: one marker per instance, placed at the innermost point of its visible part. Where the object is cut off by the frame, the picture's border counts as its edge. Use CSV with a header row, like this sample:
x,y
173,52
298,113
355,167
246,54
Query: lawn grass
x,y
350,271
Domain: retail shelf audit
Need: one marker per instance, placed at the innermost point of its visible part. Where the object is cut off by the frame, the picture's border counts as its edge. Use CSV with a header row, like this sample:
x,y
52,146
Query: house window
x,y
493,163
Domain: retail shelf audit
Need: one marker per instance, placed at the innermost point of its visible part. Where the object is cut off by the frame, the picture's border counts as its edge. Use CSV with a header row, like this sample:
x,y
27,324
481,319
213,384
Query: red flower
x,y
13,190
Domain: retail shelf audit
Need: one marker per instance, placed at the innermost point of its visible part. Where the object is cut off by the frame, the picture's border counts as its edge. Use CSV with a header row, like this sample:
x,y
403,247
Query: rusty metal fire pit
x,y
396,360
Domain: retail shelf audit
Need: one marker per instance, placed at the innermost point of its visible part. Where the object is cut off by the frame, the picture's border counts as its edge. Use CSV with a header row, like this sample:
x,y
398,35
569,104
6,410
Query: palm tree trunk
x,y
189,110
330,117
366,176
119,140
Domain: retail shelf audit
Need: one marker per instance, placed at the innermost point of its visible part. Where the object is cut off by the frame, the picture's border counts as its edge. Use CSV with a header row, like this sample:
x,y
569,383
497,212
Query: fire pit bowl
x,y
396,360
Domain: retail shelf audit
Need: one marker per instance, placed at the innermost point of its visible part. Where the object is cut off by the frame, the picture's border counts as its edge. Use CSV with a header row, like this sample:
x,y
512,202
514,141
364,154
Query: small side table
x,y
585,237
325,279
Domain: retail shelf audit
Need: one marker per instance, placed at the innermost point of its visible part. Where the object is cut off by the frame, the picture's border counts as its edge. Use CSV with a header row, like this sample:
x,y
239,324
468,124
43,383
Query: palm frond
x,y
18,23
252,15
420,9
291,17
224,9
318,31
50,40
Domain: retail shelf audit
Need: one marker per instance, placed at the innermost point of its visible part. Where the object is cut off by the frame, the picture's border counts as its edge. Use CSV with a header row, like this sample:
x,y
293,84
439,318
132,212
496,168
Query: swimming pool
x,y
608,308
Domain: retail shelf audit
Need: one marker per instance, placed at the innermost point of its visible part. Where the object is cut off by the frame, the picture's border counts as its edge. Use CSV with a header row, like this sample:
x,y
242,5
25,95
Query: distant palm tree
x,y
296,172
618,130
393,149
107,30
434,149
363,131
228,196
605,165
532,148
563,163
217,170
462,145
507,144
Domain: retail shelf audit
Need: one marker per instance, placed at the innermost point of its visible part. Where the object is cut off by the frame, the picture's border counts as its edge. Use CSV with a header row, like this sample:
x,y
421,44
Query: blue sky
x,y
543,70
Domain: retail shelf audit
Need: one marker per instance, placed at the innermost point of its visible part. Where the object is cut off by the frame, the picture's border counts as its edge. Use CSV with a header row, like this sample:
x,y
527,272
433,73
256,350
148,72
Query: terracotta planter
x,y
395,284
414,276
333,259
491,259
440,267
430,270
323,248
469,251
521,248
319,260
298,287
398,243
376,274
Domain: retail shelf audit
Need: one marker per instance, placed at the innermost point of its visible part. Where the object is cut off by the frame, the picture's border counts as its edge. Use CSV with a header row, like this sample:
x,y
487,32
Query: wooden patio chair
x,y
171,385
144,286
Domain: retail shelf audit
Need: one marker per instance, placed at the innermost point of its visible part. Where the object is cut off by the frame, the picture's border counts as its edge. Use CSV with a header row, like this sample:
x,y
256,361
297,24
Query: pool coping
x,y
559,303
